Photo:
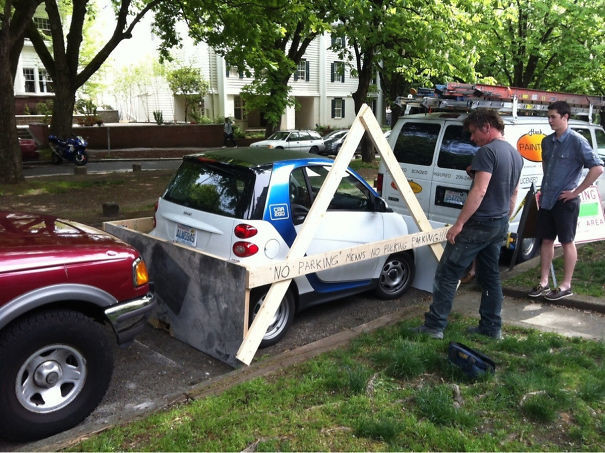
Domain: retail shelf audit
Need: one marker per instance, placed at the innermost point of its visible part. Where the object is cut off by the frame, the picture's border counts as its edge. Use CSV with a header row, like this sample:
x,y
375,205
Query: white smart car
x,y
248,204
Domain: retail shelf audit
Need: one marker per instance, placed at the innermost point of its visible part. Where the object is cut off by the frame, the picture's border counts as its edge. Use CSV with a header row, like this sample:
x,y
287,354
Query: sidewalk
x,y
578,315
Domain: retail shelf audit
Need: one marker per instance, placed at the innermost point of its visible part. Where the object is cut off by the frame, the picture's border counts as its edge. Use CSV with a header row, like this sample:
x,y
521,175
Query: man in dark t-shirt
x,y
480,229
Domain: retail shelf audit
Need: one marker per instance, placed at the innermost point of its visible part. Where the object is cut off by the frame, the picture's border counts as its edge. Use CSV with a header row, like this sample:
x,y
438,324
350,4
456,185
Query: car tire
x,y
396,276
282,320
314,150
55,369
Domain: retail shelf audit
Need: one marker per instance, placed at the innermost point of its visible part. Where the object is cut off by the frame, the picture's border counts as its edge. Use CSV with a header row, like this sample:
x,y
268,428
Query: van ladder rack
x,y
465,97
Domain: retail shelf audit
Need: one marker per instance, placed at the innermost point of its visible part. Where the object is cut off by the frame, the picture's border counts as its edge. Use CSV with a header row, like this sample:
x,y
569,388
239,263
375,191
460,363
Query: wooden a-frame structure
x,y
280,274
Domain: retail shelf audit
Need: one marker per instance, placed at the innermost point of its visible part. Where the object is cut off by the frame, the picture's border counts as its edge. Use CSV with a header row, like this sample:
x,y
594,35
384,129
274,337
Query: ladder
x,y
464,97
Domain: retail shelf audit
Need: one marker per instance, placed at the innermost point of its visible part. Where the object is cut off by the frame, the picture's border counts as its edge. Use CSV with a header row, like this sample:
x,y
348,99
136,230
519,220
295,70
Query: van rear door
x,y
414,148
451,183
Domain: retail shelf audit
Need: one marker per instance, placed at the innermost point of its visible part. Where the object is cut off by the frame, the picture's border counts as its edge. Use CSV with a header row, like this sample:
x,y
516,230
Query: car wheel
x,y
314,150
396,276
82,158
56,367
281,321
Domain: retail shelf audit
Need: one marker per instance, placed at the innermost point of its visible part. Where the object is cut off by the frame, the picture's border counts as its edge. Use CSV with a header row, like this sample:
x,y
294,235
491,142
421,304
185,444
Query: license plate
x,y
186,235
454,197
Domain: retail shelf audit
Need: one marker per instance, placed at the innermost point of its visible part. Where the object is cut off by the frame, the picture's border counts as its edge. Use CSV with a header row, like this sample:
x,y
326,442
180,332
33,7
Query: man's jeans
x,y
481,239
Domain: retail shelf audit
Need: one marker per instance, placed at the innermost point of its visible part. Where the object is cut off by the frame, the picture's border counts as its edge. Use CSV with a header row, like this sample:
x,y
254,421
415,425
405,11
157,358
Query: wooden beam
x,y
295,267
265,315
365,121
375,133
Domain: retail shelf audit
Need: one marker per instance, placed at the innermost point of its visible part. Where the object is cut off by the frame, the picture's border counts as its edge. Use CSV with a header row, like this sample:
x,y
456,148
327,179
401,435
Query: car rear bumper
x,y
129,318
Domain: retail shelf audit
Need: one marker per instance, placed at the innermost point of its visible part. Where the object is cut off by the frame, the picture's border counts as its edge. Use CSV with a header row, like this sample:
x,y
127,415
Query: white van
x,y
434,150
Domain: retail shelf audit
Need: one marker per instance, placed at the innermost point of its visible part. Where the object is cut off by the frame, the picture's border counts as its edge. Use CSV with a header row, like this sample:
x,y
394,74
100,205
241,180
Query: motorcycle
x,y
72,149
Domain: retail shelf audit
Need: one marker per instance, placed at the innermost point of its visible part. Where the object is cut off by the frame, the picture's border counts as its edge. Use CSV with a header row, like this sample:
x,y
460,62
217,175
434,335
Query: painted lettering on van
x,y
530,145
527,180
442,174
419,172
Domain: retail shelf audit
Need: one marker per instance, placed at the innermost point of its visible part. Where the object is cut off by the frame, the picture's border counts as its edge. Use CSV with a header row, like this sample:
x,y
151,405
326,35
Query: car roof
x,y
255,157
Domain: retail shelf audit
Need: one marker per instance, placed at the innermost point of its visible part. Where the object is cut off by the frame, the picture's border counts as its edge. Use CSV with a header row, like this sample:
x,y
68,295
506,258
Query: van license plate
x,y
186,235
454,197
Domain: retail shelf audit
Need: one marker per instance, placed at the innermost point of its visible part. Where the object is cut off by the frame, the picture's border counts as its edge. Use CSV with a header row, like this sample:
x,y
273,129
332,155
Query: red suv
x,y
66,290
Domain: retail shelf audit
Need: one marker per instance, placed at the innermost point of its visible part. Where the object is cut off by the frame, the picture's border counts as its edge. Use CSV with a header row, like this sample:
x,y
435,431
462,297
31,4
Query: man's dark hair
x,y
561,107
481,117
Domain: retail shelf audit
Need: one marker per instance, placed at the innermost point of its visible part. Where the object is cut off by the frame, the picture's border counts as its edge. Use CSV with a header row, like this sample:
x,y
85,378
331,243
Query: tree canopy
x,y
543,44
265,39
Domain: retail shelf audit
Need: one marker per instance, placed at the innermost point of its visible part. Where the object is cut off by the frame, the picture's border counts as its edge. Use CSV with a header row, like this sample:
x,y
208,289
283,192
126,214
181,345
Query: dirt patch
x,y
81,197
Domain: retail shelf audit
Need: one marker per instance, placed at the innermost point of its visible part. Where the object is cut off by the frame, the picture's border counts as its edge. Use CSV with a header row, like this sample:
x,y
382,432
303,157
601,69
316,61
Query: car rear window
x,y
212,187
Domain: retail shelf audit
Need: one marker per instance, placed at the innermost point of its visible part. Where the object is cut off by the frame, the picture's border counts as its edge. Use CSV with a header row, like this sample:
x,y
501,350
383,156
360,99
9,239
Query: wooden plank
x,y
265,315
375,133
142,224
295,267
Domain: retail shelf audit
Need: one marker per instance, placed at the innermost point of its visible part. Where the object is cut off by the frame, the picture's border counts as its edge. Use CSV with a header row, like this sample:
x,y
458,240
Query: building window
x,y
239,108
234,70
338,41
337,72
302,70
338,108
43,25
30,80
46,83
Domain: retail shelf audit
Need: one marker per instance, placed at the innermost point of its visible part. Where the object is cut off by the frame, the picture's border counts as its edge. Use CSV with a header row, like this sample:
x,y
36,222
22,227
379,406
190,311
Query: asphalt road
x,y
32,170
157,368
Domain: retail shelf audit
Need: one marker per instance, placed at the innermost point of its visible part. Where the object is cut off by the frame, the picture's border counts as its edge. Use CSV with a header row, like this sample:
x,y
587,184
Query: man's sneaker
x,y
433,333
477,331
538,291
558,293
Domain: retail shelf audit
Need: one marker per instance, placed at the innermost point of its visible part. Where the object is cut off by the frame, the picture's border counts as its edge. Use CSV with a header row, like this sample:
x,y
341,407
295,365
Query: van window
x,y
584,133
457,150
416,143
600,135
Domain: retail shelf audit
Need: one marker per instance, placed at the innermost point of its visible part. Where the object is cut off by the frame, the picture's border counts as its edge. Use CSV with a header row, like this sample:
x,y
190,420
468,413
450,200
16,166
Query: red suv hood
x,y
36,240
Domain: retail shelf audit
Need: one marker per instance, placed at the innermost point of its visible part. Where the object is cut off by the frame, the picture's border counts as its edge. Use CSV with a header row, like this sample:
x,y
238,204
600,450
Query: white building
x,y
322,85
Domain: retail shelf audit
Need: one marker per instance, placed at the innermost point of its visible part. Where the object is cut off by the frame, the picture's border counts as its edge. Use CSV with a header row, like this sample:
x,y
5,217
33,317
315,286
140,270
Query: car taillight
x,y
244,249
155,210
379,179
139,272
244,231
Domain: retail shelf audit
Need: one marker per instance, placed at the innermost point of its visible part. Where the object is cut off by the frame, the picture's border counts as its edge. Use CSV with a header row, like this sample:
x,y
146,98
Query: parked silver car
x,y
299,140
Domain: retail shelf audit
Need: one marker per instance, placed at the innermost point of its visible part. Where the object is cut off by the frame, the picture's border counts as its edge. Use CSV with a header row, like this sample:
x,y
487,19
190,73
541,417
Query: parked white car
x,y
302,140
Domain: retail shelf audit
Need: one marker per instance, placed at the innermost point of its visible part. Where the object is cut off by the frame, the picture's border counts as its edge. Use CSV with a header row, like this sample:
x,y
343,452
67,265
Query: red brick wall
x,y
152,136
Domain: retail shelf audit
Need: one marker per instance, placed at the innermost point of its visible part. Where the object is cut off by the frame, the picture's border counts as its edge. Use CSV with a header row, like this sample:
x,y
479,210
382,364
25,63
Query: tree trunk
x,y
63,107
11,169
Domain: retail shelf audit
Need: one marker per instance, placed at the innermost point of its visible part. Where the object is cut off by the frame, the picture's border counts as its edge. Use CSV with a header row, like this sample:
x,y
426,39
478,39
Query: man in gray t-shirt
x,y
480,229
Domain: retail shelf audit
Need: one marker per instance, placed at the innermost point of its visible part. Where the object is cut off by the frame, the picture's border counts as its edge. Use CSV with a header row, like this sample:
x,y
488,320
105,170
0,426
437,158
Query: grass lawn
x,y
395,390
588,278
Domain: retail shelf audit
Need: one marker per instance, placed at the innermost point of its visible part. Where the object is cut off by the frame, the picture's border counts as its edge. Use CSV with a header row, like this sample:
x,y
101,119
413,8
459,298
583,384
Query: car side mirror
x,y
380,205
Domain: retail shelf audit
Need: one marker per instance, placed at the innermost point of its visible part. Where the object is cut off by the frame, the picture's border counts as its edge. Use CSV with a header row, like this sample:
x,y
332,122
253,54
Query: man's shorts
x,y
560,221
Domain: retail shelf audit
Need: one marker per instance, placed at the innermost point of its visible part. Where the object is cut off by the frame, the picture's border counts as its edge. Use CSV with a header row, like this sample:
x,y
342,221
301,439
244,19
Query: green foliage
x,y
543,44
264,40
188,82
158,116
319,404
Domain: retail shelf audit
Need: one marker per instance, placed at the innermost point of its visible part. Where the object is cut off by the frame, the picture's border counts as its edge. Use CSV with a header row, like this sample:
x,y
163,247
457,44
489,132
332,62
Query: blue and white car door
x,y
348,222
